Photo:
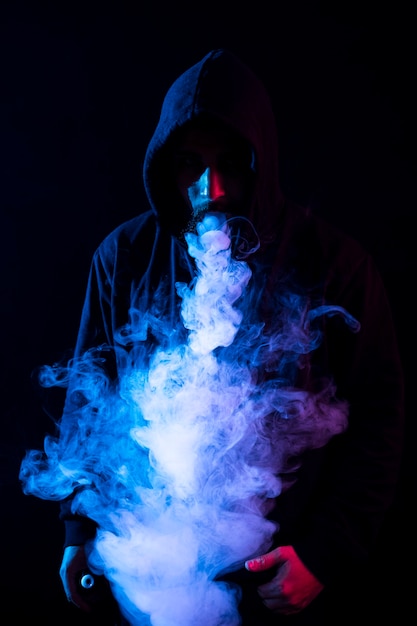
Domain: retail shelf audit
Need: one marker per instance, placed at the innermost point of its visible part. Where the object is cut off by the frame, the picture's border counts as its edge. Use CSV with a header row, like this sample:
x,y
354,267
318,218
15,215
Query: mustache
x,y
201,208
243,235
204,208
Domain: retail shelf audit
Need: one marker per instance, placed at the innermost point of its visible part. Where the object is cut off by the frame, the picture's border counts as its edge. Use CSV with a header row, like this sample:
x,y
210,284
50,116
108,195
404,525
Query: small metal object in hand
x,y
87,581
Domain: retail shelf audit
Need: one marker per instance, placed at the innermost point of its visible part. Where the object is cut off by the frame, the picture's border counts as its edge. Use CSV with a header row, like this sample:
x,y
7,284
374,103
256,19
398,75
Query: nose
x,y
211,184
216,184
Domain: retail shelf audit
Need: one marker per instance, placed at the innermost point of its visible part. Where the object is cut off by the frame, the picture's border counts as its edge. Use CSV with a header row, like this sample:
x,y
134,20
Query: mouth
x,y
204,204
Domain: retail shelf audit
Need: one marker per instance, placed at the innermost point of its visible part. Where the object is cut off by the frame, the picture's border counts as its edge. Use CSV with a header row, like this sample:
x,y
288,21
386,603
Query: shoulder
x,y
137,232
314,252
324,240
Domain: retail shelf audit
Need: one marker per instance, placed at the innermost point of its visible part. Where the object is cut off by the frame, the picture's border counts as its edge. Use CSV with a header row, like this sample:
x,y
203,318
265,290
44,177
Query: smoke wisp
x,y
180,462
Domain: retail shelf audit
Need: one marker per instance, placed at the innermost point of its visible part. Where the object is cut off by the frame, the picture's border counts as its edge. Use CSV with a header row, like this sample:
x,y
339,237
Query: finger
x,y
273,599
76,595
270,591
263,562
80,602
280,607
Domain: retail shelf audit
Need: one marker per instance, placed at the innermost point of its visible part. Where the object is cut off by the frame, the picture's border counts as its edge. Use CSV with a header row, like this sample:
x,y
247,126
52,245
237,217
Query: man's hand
x,y
74,564
293,587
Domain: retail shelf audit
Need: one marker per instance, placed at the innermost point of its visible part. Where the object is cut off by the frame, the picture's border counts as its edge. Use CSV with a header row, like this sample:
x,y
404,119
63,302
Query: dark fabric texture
x,y
335,508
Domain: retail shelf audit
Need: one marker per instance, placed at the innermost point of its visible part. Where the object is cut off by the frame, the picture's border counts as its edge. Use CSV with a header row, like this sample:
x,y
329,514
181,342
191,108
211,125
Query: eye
x,y
235,163
188,161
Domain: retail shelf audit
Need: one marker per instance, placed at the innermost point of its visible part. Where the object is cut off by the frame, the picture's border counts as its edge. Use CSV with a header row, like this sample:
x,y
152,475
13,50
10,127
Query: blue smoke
x,y
180,462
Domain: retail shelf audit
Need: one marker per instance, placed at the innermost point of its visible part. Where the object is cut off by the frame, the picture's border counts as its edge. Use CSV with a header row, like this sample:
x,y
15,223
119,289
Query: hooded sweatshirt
x,y
338,493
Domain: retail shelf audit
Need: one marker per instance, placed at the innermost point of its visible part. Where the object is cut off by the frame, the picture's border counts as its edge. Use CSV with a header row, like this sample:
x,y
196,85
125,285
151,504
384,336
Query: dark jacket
x,y
334,509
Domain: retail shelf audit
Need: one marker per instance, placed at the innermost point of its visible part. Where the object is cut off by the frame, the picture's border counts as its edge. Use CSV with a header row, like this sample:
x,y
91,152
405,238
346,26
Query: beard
x,y
244,238
202,211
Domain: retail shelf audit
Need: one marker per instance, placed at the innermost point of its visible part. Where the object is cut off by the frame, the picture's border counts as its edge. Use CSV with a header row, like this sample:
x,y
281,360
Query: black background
x,y
80,94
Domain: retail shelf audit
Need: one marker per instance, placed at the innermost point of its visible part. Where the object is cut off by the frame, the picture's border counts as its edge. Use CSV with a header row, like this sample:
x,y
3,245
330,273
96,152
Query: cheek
x,y
182,184
240,191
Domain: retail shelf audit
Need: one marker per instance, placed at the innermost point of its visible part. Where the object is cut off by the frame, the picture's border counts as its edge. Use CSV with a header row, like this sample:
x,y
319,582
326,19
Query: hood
x,y
221,88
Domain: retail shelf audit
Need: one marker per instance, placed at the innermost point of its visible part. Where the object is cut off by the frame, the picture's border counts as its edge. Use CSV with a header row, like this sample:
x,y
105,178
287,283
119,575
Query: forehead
x,y
215,139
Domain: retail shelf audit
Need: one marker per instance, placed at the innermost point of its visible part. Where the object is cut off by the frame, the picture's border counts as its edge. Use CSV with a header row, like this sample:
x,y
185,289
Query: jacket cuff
x,y
78,531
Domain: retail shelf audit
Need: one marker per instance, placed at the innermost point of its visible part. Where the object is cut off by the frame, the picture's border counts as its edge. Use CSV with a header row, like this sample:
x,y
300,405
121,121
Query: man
x,y
213,156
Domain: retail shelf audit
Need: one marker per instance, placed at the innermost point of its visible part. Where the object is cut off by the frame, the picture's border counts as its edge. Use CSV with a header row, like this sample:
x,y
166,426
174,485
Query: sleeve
x,y
95,330
361,467
105,311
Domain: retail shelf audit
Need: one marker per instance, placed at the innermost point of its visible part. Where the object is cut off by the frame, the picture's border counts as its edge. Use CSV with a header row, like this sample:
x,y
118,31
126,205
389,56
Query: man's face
x,y
213,172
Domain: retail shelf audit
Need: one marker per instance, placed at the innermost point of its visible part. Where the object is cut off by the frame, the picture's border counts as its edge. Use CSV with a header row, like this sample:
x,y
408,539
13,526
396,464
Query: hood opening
x,y
218,89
